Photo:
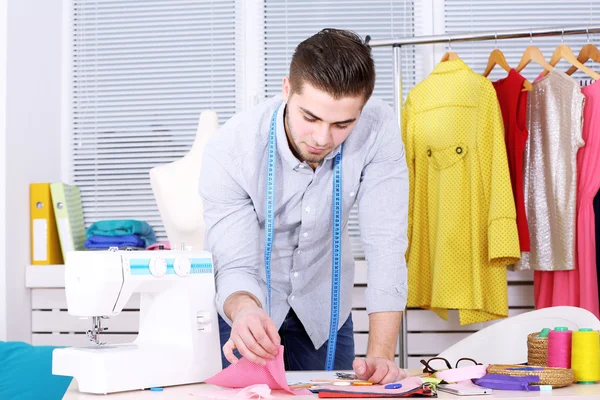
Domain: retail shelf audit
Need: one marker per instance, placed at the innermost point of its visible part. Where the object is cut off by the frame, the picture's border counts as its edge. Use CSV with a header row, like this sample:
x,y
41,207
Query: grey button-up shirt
x,y
232,186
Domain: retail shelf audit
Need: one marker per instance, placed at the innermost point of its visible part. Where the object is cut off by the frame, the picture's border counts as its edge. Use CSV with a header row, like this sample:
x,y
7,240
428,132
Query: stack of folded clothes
x,y
119,233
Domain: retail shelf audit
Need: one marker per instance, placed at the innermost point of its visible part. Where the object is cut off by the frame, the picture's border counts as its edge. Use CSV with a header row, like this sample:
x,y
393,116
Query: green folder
x,y
68,212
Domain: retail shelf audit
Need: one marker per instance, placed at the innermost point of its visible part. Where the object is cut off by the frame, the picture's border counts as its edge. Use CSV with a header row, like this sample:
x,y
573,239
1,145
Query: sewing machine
x,y
178,339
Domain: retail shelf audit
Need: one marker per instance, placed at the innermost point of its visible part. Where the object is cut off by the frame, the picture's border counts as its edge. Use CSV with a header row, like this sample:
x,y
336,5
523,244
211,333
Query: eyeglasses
x,y
429,370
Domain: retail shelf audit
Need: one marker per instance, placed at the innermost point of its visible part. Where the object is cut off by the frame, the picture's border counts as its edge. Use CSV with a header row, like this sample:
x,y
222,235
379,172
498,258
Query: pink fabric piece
x,y
260,391
229,394
462,373
408,384
246,373
579,287
156,246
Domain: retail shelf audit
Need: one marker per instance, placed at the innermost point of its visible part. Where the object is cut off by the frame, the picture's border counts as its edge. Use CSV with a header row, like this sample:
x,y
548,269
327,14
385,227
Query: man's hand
x,y
379,366
377,370
254,334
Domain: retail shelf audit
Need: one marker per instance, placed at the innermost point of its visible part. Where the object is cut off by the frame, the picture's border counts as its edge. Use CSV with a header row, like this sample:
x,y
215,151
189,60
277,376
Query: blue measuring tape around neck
x,y
337,236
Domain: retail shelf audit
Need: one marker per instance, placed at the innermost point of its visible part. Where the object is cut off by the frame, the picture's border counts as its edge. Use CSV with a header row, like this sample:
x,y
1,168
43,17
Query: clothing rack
x,y
396,45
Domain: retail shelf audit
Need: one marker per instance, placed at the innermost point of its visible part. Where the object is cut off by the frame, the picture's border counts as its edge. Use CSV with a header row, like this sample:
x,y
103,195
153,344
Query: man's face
x,y
316,123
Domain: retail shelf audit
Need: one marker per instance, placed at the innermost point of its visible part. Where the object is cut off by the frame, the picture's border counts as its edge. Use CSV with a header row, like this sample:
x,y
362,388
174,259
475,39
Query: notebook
x,y
68,210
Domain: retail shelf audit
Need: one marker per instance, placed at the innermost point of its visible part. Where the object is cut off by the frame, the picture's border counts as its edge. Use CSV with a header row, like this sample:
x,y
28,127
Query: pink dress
x,y
579,287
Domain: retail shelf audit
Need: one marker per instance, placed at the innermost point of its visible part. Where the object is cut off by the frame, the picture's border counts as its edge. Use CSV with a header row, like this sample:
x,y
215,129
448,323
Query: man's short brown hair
x,y
335,61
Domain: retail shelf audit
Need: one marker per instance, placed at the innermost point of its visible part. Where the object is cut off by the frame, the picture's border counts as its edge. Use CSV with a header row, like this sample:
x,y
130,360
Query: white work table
x,y
204,391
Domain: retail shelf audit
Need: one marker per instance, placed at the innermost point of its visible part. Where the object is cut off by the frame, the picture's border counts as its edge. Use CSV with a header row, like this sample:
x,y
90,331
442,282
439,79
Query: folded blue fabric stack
x,y
119,233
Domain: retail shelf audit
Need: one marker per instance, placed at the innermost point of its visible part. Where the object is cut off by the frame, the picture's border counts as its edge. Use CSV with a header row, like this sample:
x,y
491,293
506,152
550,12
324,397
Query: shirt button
x,y
305,234
292,297
301,166
351,194
299,252
307,209
295,274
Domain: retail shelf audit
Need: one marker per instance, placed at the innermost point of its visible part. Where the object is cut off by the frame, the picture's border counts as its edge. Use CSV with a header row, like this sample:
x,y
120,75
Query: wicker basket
x,y
557,377
537,350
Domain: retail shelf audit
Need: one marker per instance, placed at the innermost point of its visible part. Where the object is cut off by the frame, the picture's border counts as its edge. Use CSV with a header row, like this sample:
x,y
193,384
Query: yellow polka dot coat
x,y
462,219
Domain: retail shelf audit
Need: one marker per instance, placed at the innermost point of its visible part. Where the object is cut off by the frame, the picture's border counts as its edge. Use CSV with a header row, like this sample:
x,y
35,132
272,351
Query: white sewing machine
x,y
178,340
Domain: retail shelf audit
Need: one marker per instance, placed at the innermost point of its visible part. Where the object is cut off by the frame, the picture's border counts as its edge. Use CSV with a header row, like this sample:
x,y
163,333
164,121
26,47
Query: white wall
x,y
3,39
33,136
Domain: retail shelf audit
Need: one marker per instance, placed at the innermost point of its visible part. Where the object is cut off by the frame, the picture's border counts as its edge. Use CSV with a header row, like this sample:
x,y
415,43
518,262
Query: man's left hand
x,y
377,370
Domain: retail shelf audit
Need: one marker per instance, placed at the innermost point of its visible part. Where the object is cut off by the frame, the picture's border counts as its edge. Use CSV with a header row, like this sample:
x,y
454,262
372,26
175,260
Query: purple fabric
x,y
104,242
503,382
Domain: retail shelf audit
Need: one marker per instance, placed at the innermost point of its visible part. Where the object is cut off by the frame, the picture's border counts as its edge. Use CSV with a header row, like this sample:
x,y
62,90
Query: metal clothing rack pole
x,y
461,37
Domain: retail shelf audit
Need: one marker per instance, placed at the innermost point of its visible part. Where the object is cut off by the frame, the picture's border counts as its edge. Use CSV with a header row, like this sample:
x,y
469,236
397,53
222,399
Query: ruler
x,y
336,231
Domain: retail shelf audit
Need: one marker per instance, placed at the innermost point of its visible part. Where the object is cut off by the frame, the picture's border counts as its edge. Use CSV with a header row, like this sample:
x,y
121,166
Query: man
x,y
324,118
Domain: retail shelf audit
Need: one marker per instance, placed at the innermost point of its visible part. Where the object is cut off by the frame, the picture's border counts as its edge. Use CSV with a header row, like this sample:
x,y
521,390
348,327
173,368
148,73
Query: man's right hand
x,y
253,333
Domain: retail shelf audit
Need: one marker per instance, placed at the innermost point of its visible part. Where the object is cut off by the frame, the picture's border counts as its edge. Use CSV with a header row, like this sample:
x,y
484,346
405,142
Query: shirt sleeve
x,y
383,218
232,232
503,237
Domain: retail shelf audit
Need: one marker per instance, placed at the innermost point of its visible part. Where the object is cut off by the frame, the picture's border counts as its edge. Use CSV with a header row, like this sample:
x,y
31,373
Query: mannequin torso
x,y
176,190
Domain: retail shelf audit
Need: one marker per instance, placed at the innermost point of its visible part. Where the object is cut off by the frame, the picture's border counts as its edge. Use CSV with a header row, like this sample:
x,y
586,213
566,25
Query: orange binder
x,y
44,240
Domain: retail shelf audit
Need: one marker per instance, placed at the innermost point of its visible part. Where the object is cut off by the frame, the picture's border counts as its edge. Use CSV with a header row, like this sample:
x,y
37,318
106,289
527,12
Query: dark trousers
x,y
300,353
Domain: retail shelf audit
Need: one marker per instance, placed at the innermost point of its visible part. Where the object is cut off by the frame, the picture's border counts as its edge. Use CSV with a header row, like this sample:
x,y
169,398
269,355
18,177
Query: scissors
x,y
346,375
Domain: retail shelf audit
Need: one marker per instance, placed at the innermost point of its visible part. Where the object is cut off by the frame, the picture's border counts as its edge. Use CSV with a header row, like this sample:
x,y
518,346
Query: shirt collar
x,y
282,141
284,147
450,66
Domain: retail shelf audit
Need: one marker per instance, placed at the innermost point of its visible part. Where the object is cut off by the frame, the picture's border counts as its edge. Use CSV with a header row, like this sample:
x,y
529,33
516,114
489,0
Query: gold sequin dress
x,y
555,118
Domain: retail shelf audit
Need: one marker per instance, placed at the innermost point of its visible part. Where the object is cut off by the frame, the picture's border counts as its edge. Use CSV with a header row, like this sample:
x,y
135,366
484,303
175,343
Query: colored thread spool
x,y
585,358
544,333
559,347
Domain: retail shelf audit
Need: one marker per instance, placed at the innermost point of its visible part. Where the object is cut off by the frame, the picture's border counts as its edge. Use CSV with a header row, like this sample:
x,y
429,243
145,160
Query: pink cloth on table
x,y
246,373
260,391
579,287
462,373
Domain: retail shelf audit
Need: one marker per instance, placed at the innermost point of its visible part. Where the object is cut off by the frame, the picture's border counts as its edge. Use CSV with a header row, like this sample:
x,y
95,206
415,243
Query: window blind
x,y
140,74
489,15
288,22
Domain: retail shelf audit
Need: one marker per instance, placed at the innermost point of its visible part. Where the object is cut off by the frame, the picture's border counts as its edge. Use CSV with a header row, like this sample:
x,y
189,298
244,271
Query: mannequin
x,y
176,190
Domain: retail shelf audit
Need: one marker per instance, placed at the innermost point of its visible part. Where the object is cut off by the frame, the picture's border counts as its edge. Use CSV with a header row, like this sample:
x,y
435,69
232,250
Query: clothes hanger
x,y
564,52
587,52
533,53
450,55
497,58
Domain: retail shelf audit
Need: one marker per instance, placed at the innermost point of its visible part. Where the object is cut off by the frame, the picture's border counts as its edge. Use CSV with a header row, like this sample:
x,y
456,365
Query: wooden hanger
x,y
450,55
588,52
564,52
497,58
533,53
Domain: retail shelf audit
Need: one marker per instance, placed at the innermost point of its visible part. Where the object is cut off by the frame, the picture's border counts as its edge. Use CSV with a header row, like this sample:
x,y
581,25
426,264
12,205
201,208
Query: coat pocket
x,y
446,157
